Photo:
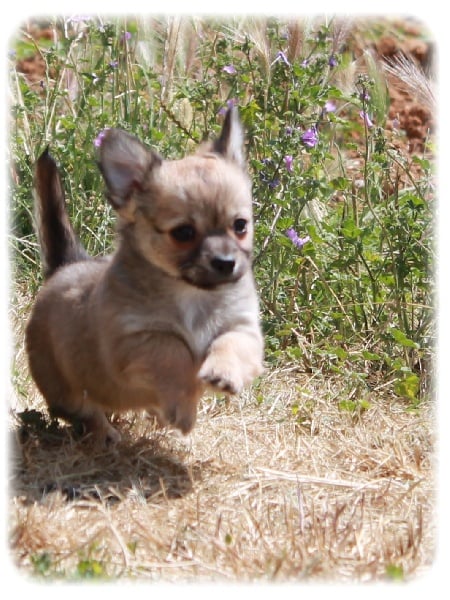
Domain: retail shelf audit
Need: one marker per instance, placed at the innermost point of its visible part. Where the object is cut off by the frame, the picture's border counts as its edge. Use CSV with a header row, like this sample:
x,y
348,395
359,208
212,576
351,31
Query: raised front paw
x,y
220,377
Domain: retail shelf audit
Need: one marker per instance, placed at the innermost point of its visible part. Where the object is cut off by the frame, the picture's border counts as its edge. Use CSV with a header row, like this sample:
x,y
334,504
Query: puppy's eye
x,y
240,226
183,233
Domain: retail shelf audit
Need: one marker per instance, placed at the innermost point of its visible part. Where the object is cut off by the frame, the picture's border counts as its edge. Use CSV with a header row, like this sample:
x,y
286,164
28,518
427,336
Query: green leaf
x,y
347,405
339,352
90,568
370,355
364,404
395,572
339,183
401,338
408,386
423,162
41,562
349,230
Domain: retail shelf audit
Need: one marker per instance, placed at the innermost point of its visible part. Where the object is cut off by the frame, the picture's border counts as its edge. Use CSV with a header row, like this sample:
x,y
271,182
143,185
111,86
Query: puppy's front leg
x,y
233,361
160,375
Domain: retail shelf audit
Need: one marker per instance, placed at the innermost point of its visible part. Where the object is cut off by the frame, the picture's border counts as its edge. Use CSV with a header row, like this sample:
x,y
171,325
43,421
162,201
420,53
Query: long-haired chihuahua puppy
x,y
172,311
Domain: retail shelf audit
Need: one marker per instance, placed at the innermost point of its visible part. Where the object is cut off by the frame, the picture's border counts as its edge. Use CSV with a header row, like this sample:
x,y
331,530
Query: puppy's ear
x,y
125,164
230,144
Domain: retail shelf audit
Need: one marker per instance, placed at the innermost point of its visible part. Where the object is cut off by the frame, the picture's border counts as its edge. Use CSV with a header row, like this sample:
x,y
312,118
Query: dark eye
x,y
240,226
183,233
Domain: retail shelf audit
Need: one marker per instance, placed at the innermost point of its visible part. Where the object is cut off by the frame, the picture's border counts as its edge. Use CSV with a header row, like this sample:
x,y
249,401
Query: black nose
x,y
223,265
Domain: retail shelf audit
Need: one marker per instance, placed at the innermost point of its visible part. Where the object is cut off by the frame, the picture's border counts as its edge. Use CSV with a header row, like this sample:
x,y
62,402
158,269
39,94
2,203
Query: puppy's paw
x,y
111,436
221,377
103,433
233,361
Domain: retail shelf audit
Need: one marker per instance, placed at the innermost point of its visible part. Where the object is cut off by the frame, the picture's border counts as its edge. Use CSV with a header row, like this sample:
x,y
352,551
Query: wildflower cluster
x,y
296,239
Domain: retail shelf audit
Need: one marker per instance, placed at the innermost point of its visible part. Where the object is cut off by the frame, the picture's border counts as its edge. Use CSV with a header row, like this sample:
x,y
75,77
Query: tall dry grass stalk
x,y
412,79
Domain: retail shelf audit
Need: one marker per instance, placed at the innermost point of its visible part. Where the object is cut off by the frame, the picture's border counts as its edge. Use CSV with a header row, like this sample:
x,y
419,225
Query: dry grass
x,y
256,493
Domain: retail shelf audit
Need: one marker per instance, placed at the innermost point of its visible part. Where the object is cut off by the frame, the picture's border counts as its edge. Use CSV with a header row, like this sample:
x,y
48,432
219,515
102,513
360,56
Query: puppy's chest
x,y
203,316
197,316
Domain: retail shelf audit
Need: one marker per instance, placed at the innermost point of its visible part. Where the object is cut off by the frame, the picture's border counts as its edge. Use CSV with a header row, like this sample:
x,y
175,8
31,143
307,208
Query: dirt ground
x,y
415,117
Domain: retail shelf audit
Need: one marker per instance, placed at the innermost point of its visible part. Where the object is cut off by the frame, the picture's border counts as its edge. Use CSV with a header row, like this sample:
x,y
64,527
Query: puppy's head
x,y
191,218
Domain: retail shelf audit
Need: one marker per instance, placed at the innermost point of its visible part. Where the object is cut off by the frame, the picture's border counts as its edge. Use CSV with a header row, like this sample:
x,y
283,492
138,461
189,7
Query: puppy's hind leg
x,y
64,400
76,408
89,415
72,406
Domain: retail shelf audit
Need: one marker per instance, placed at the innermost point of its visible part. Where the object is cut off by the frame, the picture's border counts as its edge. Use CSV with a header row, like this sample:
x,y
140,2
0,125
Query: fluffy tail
x,y
58,241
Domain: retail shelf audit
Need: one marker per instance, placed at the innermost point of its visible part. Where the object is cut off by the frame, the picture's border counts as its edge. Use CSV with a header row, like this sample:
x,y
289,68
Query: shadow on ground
x,y
47,457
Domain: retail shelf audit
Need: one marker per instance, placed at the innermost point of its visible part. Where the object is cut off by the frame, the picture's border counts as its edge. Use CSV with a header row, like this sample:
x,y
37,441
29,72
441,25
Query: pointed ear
x,y
231,141
124,163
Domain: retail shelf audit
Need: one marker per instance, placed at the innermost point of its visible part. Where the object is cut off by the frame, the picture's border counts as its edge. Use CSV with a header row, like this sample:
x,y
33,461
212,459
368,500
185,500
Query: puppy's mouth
x,y
219,270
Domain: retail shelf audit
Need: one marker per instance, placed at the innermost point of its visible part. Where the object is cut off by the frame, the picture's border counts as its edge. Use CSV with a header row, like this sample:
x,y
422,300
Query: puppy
x,y
172,311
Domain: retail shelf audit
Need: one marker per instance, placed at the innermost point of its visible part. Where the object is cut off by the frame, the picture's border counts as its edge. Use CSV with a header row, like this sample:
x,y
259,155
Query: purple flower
x,y
296,240
288,160
310,138
281,56
288,130
126,37
230,69
332,61
330,106
99,139
114,64
365,118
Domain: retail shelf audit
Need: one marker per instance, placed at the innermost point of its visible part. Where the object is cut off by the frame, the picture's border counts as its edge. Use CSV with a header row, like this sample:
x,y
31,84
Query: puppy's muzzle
x,y
218,260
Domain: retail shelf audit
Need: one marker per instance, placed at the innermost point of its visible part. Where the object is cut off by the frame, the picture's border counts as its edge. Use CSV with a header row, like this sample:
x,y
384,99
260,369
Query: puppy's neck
x,y
131,269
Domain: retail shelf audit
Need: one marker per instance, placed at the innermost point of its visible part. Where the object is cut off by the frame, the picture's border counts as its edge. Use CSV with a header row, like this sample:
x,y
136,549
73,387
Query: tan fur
x,y
161,319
